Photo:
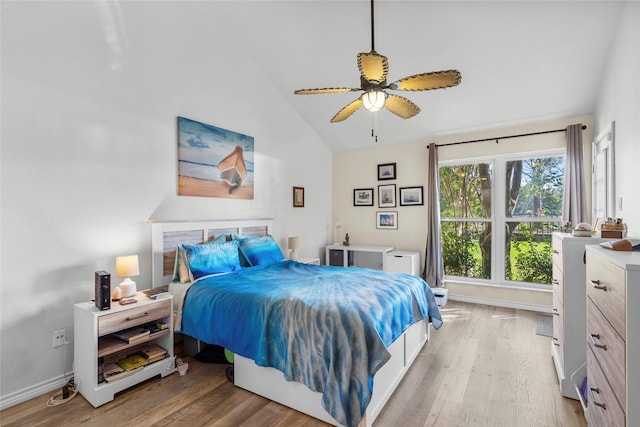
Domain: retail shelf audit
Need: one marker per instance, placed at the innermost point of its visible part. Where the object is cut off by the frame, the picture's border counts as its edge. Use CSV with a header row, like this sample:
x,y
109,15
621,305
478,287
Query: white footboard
x,y
270,382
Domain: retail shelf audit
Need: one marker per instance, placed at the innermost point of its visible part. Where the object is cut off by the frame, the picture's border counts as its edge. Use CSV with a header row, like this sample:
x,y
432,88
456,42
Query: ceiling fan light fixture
x,y
373,100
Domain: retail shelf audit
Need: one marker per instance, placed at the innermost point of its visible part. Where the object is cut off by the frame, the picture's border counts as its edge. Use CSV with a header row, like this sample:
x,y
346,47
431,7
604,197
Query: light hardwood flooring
x,y
484,367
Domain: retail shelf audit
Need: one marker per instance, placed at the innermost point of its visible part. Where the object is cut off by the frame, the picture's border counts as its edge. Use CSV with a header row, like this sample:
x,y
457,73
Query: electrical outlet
x,y
59,338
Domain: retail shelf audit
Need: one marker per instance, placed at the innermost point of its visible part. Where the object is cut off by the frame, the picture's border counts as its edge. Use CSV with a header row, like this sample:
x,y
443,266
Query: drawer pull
x,y
593,397
555,281
555,251
139,316
596,285
556,312
593,337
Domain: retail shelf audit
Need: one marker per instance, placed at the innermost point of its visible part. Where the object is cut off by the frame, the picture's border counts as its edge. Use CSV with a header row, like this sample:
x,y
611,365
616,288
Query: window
x,y
497,217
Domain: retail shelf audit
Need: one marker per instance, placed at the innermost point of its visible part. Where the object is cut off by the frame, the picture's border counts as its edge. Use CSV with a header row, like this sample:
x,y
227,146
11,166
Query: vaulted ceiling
x,y
521,61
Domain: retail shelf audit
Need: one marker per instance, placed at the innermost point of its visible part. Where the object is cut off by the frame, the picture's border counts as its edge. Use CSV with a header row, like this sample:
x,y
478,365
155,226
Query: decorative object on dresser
x,y
102,338
292,244
127,267
613,337
569,313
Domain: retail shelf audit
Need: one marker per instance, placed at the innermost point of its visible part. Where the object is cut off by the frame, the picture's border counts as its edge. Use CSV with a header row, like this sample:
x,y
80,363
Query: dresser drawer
x,y
557,284
556,250
608,347
133,317
606,286
604,408
558,329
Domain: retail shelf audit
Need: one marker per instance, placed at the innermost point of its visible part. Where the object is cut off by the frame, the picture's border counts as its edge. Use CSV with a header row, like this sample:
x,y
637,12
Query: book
x,y
153,353
132,362
132,334
113,372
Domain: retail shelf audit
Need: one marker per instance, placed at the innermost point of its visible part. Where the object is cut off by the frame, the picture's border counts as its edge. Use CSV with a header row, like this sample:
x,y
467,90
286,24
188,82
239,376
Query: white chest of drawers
x,y
569,314
613,337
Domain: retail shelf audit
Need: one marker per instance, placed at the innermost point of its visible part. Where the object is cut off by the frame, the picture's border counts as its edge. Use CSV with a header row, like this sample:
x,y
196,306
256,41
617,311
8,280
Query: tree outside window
x,y
528,191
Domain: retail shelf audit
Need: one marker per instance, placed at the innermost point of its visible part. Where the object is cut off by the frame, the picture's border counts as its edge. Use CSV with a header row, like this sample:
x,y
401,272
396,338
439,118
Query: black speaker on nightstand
x,y
103,290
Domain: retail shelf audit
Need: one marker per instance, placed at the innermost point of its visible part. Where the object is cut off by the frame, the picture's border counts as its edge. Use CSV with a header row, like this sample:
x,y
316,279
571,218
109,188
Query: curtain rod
x,y
497,138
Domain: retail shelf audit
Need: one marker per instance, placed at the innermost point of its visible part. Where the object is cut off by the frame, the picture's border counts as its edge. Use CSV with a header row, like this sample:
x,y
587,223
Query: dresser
x,y
569,314
613,337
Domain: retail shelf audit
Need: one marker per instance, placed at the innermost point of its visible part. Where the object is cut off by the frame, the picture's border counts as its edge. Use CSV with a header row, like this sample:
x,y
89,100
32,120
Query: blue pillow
x,y
181,266
260,250
212,258
243,260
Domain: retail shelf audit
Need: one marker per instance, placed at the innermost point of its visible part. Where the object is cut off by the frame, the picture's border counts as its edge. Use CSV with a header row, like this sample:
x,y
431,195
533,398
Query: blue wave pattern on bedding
x,y
314,323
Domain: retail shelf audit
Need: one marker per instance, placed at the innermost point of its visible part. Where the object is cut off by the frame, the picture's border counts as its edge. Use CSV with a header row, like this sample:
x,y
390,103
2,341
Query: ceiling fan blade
x,y
428,81
401,107
324,90
347,111
373,66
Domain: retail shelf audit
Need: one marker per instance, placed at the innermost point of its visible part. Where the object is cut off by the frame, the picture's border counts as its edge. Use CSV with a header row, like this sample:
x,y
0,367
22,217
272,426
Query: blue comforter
x,y
327,327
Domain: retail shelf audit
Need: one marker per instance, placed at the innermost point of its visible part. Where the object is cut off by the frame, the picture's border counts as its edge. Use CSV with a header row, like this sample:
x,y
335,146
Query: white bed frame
x,y
269,382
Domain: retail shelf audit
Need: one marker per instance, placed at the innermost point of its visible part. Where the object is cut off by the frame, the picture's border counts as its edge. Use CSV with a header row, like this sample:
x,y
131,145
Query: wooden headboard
x,y
166,235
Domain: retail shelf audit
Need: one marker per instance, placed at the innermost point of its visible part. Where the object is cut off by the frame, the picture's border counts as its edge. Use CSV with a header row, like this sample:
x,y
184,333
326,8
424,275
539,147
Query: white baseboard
x,y
499,303
25,394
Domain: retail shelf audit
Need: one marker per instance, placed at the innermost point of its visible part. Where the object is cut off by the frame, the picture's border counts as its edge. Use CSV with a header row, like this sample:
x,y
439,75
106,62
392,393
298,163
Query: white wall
x,y
90,96
619,101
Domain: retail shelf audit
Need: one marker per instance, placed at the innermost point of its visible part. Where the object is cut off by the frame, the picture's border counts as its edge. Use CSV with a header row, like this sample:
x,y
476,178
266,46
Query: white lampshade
x,y
292,243
127,266
373,100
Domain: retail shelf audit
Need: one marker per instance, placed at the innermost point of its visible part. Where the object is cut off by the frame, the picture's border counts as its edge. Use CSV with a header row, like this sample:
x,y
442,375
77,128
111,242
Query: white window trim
x,y
498,215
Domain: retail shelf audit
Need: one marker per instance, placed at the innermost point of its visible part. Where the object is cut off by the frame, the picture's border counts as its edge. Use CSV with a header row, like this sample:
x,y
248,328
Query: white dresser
x,y
569,313
613,337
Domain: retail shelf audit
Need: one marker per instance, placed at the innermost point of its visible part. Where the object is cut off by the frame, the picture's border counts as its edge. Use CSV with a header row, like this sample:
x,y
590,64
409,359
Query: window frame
x,y
498,215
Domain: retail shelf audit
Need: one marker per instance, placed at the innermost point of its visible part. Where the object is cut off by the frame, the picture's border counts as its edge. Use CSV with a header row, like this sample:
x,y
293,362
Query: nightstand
x,y
96,344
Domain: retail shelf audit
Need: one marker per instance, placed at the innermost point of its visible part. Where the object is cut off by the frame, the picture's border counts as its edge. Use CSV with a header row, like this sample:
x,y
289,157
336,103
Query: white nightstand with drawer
x,y
407,262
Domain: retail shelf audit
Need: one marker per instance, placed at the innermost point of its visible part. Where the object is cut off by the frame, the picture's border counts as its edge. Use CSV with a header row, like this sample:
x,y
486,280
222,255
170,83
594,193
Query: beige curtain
x,y
433,264
574,197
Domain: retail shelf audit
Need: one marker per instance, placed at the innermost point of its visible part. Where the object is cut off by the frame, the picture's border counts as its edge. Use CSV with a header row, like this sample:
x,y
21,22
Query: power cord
x,y
69,390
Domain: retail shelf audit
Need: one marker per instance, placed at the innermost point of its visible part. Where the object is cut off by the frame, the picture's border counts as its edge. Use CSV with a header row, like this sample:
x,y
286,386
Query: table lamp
x,y
293,245
127,266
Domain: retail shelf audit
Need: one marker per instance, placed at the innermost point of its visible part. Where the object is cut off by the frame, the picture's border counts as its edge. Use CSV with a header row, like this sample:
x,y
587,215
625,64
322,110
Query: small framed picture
x,y
411,196
386,171
387,220
298,197
363,197
387,196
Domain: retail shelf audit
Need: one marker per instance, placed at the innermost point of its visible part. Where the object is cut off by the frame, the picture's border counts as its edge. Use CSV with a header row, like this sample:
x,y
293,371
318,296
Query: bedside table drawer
x,y
133,317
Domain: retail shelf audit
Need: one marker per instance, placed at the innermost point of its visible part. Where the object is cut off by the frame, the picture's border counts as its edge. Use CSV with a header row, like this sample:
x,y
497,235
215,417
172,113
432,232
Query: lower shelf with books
x,y
115,367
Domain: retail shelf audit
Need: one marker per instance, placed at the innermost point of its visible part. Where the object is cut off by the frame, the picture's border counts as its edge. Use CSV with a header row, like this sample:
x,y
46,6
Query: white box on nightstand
x,y
407,262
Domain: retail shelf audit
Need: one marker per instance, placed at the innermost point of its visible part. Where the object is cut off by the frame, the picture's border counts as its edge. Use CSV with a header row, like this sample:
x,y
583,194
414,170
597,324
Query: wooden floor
x,y
484,367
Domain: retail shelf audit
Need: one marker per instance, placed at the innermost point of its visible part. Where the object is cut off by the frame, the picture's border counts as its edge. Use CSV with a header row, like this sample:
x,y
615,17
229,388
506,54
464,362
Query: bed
x,y
311,337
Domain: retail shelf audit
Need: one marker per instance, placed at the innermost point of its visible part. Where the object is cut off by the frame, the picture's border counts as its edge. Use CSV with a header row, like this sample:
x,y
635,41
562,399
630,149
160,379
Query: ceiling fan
x,y
373,82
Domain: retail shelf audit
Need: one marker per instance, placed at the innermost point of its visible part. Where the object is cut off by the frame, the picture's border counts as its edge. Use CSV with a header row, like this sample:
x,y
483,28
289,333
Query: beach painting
x,y
214,162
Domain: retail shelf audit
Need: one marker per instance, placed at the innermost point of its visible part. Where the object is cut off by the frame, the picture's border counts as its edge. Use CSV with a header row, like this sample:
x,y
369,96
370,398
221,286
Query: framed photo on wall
x,y
411,196
386,171
363,197
387,196
387,220
298,197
